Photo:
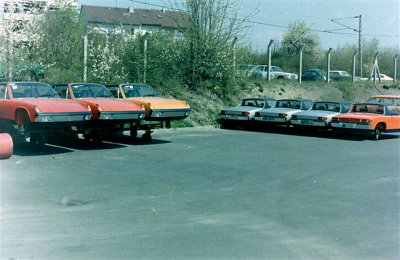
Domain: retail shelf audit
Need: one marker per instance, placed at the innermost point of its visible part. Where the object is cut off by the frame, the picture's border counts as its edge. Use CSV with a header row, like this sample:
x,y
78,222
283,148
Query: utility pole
x,y
85,51
395,68
346,27
146,36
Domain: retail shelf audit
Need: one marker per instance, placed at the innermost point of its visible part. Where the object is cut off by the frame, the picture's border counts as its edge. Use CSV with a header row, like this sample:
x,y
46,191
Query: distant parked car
x,y
244,113
261,71
383,77
313,74
245,69
368,117
283,111
394,99
320,114
339,75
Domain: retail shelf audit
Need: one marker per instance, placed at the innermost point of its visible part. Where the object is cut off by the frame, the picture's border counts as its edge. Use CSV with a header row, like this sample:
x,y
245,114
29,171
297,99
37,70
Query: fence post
x,y
376,70
269,60
234,57
301,63
85,52
146,36
395,68
353,76
328,64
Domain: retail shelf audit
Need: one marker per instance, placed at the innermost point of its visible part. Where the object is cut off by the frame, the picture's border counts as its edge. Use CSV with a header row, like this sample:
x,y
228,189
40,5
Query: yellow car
x,y
160,111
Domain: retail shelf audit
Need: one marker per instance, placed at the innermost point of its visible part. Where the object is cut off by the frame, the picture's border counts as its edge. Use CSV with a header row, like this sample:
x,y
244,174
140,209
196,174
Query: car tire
x,y
37,141
378,131
146,137
133,133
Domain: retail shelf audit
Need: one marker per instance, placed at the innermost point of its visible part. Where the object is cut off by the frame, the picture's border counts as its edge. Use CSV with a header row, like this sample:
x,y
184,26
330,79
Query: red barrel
x,y
6,146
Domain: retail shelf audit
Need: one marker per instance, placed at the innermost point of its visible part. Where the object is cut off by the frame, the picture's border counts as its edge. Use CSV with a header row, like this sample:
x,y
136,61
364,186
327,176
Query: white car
x,y
245,111
320,114
283,111
276,72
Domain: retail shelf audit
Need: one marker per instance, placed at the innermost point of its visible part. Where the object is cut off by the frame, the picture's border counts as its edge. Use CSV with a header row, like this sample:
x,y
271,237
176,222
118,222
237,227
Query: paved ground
x,y
204,194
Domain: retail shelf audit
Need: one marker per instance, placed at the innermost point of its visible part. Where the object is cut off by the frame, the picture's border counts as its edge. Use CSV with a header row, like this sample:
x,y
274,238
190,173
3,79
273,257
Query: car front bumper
x,y
308,122
348,125
168,114
234,117
121,115
62,117
271,119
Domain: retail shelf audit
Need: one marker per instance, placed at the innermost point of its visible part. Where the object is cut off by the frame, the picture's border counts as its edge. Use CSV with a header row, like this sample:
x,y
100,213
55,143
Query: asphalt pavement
x,y
203,193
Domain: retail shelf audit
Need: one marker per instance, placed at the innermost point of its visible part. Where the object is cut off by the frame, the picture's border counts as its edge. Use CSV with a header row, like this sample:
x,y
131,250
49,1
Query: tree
x,y
300,36
213,25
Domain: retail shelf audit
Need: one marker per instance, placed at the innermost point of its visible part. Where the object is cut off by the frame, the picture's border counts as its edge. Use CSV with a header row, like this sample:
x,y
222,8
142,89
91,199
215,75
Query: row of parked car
x,y
261,71
38,110
377,115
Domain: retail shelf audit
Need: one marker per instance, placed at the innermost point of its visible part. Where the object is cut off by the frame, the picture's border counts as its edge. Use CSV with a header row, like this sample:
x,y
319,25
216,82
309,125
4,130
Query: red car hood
x,y
55,105
358,116
110,104
161,103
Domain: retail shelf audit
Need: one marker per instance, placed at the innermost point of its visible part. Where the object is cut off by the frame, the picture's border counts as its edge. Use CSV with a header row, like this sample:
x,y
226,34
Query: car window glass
x,y
365,108
313,73
115,91
276,69
392,110
2,91
61,91
91,91
289,104
139,90
32,90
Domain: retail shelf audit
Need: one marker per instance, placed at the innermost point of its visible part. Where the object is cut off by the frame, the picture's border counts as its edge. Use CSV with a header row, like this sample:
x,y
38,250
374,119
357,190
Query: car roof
x,y
313,70
385,96
270,99
295,99
337,102
374,103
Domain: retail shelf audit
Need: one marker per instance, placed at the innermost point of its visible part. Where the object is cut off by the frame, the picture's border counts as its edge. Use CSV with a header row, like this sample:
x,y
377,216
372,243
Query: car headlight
x,y
157,114
187,113
88,117
141,116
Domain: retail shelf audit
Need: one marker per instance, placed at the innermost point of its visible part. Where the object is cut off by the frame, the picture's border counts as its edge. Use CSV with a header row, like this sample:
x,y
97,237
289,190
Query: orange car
x,y
394,99
369,117
159,110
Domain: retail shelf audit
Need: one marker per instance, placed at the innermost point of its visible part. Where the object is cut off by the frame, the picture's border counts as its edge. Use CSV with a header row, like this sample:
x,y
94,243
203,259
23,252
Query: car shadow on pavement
x,y
81,144
127,140
327,134
26,149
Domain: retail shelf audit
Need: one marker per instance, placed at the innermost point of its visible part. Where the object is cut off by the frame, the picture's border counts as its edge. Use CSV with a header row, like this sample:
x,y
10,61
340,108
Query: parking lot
x,y
203,193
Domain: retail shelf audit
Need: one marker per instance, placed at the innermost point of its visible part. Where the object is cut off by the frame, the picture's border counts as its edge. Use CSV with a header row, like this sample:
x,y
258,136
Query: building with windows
x,y
133,21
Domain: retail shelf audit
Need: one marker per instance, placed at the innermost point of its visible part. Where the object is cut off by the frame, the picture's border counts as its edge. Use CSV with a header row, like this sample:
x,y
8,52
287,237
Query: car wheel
x,y
133,133
146,137
37,141
378,131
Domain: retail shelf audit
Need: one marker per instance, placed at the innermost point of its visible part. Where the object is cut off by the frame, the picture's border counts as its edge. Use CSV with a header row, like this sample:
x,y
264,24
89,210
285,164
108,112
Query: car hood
x,y
359,116
54,105
274,111
315,113
238,110
110,104
161,103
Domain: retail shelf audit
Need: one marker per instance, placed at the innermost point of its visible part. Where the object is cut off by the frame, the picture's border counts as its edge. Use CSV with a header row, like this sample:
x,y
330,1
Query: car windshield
x,y
253,103
289,104
139,90
32,90
369,108
276,69
345,73
327,106
91,91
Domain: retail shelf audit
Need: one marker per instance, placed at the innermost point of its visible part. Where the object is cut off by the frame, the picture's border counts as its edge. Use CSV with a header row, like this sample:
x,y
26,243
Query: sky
x,y
268,19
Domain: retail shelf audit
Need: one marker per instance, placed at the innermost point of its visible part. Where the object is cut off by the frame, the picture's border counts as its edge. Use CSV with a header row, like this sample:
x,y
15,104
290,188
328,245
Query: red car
x,y
370,118
35,110
108,114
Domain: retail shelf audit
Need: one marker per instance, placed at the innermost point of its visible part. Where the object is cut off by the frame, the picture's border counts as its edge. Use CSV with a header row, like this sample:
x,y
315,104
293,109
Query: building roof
x,y
134,16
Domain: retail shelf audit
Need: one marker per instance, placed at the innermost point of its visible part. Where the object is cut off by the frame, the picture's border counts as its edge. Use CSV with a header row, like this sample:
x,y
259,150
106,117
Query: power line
x,y
277,25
